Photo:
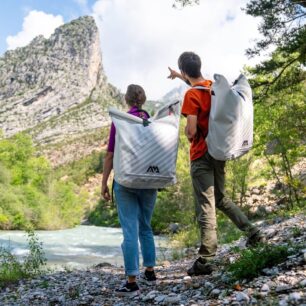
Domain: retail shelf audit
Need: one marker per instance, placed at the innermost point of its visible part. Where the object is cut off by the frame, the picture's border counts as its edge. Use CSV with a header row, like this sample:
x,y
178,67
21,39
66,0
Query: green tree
x,y
280,128
283,28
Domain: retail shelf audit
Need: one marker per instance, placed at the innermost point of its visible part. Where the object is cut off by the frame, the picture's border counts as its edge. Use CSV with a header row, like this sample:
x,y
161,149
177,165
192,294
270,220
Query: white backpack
x,y
146,149
230,128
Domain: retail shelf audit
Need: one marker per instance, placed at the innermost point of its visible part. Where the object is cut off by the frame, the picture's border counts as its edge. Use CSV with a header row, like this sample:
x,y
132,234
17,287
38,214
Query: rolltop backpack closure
x,y
146,150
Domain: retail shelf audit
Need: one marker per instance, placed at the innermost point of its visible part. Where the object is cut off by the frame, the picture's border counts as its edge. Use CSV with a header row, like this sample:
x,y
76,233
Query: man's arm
x,y
191,127
174,74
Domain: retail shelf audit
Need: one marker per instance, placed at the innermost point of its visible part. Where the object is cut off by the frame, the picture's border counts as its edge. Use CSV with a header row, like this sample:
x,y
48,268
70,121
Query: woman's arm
x,y
107,168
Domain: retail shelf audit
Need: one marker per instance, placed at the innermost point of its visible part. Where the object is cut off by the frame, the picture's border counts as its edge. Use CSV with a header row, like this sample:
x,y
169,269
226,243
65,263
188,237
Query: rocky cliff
x,y
56,88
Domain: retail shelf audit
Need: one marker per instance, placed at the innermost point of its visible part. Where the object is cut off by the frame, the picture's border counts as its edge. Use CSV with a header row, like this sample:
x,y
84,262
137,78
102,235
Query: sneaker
x,y
201,267
255,239
128,289
148,278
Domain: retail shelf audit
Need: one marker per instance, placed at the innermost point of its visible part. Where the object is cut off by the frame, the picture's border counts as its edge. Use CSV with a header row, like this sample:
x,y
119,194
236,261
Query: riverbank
x,y
281,284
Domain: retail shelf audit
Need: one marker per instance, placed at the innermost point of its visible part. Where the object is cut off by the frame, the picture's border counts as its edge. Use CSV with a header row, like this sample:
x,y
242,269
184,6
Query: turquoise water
x,y
81,246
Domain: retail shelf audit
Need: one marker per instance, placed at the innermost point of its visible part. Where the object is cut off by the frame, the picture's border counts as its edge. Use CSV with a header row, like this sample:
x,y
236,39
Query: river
x,y
80,247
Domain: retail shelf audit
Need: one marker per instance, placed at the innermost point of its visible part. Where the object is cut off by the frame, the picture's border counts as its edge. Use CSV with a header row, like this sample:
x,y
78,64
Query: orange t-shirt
x,y
197,102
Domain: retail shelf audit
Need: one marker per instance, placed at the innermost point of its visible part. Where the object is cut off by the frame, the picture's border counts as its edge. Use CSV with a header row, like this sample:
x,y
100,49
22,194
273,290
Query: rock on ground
x,y
284,284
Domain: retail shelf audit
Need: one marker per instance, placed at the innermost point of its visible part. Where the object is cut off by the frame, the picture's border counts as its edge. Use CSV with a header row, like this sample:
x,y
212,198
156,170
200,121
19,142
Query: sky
x,y
140,39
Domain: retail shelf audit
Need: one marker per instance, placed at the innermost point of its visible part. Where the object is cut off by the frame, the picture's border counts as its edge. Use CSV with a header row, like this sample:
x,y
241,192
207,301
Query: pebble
x,y
294,296
303,283
172,299
265,288
242,297
187,279
284,284
159,298
209,285
282,288
215,292
283,302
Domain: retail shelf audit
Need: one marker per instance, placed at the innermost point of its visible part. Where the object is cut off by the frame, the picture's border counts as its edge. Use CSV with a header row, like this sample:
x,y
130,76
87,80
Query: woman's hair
x,y
135,95
190,63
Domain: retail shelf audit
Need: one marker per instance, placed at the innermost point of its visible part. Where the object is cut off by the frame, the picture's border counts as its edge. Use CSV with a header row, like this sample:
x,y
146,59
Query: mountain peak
x,y
48,77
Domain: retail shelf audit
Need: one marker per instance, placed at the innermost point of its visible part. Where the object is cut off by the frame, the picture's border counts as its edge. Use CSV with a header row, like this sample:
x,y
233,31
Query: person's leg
x,y
202,175
128,209
147,199
226,205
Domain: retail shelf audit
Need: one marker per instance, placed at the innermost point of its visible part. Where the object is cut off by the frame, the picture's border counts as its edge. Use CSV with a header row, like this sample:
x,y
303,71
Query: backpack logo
x,y
245,143
153,169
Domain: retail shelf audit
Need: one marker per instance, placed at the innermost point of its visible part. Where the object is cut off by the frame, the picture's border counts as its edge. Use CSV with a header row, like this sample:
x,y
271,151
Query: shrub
x,y
252,261
11,269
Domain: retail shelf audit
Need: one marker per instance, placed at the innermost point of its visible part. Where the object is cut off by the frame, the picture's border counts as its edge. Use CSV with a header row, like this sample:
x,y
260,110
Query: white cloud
x,y
141,38
34,24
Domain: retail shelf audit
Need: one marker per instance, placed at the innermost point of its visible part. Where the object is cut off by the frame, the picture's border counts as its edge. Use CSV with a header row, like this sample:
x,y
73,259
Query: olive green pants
x,y
208,178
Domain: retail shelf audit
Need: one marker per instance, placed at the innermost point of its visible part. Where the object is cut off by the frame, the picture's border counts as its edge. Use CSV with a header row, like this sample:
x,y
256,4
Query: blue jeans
x,y
135,209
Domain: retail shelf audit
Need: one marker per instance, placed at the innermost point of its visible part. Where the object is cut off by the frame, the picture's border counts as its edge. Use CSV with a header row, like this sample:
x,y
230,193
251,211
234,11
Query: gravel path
x,y
284,284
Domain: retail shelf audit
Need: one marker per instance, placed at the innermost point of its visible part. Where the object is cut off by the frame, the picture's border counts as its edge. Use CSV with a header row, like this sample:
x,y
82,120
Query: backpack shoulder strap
x,y
201,87
145,121
139,110
205,89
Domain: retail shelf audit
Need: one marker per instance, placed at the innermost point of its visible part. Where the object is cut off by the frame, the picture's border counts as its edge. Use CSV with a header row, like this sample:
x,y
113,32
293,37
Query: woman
x,y
135,209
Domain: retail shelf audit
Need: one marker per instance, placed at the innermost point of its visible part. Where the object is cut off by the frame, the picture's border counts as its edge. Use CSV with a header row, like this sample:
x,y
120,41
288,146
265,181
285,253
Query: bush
x,y
29,193
11,270
104,214
252,261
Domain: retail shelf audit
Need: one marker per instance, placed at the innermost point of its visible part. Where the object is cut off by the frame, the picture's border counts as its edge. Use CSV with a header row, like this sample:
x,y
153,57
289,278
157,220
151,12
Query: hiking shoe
x,y
255,239
148,278
128,289
201,267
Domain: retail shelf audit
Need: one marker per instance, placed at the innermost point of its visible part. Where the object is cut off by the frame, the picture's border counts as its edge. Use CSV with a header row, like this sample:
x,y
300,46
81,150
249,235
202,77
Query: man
x,y
207,174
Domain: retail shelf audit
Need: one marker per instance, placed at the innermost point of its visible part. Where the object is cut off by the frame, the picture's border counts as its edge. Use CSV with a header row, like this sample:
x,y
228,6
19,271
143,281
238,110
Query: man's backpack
x,y
230,128
146,149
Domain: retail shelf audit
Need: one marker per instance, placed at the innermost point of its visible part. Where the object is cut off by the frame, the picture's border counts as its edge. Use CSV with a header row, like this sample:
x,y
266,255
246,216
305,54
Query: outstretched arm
x,y
174,74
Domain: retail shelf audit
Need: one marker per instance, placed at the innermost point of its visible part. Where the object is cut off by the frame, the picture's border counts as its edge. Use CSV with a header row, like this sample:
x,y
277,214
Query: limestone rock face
x,y
56,86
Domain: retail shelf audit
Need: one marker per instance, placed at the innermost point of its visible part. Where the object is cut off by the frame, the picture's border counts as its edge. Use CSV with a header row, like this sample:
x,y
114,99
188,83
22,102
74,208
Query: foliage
x,y
34,262
104,214
185,2
283,28
253,260
281,147
80,170
283,25
30,195
11,269
188,237
237,176
226,230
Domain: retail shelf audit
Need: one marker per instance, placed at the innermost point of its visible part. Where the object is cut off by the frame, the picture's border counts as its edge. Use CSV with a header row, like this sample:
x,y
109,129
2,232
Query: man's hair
x,y
190,63
135,95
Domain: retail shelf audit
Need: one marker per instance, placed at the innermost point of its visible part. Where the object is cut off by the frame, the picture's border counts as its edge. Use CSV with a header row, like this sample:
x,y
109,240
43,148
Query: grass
x,y
253,260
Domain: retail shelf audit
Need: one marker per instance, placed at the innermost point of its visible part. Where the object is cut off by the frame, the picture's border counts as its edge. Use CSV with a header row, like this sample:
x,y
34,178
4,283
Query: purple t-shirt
x,y
111,142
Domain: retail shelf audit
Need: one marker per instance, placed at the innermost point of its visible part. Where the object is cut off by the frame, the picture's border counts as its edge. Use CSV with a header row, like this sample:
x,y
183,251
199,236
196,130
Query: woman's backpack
x,y
146,149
